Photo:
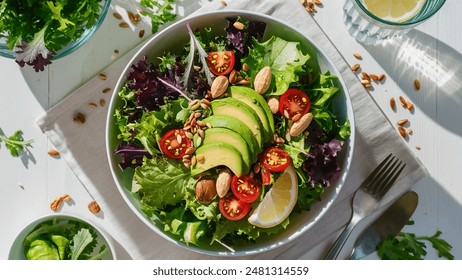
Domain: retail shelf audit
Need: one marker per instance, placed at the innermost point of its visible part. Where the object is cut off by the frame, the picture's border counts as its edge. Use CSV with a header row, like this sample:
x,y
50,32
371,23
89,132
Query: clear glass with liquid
x,y
368,28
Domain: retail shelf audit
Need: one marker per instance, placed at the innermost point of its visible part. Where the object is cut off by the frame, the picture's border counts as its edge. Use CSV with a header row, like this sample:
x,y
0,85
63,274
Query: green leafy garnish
x,y
160,12
15,143
408,246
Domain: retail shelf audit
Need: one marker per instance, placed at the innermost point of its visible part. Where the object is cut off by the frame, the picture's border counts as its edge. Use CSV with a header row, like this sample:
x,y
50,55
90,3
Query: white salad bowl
x,y
103,239
176,36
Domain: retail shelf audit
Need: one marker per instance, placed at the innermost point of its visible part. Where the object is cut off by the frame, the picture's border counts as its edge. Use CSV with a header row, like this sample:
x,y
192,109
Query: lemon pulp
x,y
278,202
394,10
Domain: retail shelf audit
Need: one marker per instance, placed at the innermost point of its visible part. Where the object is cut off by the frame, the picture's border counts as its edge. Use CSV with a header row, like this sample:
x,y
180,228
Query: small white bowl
x,y
17,249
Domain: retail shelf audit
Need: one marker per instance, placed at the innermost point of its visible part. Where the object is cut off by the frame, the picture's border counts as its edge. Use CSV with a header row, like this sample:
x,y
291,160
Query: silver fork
x,y
368,196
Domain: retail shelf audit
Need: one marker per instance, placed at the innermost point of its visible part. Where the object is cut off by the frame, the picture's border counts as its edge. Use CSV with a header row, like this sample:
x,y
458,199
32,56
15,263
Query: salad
x,y
36,30
229,137
60,239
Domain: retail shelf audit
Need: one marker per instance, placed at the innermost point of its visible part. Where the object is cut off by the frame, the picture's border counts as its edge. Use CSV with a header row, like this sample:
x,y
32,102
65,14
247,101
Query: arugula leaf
x,y
285,59
15,143
408,246
160,12
80,243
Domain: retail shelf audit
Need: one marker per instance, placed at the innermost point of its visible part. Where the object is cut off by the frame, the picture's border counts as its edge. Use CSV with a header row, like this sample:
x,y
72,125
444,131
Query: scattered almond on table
x,y
357,55
93,206
57,203
53,153
416,84
310,5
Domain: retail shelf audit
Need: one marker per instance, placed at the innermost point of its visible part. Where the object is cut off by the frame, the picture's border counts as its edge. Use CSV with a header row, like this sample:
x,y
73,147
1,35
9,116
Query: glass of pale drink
x,y
374,21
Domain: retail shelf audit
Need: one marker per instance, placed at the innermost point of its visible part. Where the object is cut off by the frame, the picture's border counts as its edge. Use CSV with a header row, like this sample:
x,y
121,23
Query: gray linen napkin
x,y
82,146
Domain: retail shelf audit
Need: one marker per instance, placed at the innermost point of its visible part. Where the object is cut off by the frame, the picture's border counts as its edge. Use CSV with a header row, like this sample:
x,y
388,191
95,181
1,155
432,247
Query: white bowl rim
x,y
107,238
346,164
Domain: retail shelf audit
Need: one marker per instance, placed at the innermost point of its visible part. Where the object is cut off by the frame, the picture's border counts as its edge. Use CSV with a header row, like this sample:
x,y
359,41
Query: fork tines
x,y
384,174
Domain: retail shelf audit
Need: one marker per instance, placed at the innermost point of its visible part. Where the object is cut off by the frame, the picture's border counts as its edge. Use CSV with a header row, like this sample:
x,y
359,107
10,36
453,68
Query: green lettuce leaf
x,y
42,250
228,229
285,59
161,181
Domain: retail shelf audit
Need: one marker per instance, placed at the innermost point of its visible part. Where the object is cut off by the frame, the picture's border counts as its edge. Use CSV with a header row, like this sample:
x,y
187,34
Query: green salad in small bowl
x,y
62,237
230,133
35,32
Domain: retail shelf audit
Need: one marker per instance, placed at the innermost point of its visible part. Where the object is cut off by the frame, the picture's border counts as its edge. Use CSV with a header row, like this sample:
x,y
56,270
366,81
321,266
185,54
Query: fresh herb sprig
x,y
15,143
408,246
160,12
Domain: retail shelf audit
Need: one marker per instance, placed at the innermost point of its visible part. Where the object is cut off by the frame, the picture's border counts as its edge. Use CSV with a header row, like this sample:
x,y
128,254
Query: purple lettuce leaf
x,y
150,91
132,155
35,53
322,165
241,39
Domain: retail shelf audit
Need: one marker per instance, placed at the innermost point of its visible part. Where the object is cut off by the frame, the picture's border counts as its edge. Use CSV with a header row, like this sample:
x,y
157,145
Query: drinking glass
x,y
370,29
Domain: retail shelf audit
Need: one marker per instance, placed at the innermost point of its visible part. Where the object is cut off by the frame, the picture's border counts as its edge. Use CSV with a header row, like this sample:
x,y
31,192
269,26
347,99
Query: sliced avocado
x,y
239,127
230,137
258,104
234,108
217,154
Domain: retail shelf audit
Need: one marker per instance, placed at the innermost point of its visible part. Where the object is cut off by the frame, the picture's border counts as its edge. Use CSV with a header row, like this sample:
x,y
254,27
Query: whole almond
x,y
223,182
219,86
232,77
392,103
299,126
238,25
262,80
93,206
273,104
53,153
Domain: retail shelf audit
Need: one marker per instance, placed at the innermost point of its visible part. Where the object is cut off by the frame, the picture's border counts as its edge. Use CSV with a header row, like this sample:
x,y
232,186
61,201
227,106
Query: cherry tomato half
x,y
221,63
232,208
245,188
174,143
294,102
275,159
265,176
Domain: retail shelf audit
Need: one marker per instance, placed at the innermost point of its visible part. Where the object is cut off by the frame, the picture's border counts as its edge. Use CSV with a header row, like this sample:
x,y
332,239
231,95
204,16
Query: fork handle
x,y
340,242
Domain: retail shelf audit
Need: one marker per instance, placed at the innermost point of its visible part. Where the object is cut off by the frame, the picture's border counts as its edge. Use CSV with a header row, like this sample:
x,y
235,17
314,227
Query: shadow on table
x,y
425,219
418,55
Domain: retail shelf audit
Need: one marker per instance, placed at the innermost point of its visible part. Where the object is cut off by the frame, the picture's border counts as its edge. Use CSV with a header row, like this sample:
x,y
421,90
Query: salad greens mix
x,y
163,95
60,239
41,28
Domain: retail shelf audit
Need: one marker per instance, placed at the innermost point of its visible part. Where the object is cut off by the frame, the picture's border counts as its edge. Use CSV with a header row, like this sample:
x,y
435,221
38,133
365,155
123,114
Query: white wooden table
x,y
432,53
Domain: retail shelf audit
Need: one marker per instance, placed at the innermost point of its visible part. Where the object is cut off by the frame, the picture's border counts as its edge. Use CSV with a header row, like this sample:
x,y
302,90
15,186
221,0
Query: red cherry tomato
x,y
265,176
221,63
232,208
245,188
294,102
174,143
275,159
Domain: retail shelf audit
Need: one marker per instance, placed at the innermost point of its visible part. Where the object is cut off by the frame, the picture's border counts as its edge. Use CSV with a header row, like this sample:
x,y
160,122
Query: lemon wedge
x,y
278,201
394,10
